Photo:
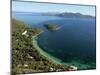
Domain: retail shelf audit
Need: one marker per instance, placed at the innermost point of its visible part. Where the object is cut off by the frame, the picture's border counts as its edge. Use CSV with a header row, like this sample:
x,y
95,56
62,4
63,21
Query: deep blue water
x,y
74,41
33,19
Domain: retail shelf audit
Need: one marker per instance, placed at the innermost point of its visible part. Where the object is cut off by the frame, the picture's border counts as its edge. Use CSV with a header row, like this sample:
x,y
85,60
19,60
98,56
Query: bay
x,y
74,43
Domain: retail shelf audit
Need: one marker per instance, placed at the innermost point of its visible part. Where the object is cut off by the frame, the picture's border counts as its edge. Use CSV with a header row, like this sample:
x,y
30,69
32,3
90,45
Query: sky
x,y
50,7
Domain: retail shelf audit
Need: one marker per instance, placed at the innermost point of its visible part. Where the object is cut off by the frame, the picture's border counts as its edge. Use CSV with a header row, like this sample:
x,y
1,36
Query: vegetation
x,y
25,58
52,27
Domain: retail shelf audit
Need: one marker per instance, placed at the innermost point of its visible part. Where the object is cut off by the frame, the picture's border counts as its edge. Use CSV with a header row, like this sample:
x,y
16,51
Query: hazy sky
x,y
45,7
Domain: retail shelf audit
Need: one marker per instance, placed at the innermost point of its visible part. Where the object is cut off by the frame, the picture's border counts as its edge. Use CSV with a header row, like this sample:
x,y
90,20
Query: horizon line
x,y
54,12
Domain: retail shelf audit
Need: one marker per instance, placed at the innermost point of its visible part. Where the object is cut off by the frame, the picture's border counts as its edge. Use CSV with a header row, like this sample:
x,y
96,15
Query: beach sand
x,y
54,59
43,53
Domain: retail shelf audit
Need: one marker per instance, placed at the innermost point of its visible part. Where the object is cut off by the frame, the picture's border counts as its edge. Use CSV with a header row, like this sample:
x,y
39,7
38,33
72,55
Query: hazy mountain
x,y
75,15
69,15
66,14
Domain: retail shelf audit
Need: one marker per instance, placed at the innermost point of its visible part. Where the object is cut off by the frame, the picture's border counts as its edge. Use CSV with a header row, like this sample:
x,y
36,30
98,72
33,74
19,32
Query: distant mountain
x,y
69,15
66,14
75,15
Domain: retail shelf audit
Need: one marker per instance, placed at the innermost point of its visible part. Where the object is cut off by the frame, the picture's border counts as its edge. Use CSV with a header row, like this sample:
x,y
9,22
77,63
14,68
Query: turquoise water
x,y
74,43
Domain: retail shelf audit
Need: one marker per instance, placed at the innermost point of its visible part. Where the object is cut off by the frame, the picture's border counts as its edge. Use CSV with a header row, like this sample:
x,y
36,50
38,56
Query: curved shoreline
x,y
43,53
52,58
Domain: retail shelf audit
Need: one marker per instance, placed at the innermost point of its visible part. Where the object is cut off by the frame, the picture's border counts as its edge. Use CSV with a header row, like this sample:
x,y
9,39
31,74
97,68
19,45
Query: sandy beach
x,y
43,53
50,57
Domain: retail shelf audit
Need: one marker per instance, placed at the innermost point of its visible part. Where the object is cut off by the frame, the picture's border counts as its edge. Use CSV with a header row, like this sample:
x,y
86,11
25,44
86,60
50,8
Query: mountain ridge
x,y
64,14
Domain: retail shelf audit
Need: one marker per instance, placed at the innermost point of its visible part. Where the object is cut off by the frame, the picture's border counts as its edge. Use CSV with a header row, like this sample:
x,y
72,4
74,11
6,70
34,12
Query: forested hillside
x,y
25,58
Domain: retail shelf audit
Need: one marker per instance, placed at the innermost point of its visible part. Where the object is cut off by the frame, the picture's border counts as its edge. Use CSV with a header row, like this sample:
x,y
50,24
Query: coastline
x,y
36,55
51,58
42,52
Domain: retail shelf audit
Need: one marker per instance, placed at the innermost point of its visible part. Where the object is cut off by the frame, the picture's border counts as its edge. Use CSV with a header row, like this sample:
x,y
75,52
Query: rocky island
x,y
52,27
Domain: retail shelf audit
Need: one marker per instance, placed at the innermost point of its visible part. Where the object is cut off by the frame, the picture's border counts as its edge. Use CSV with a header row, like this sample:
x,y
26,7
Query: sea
x,y
74,43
